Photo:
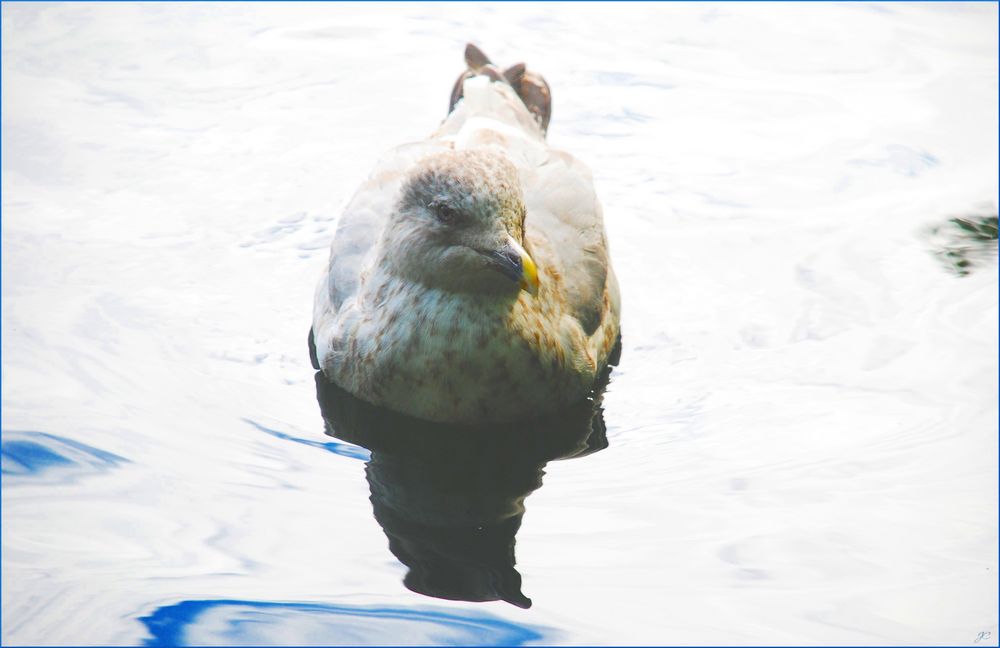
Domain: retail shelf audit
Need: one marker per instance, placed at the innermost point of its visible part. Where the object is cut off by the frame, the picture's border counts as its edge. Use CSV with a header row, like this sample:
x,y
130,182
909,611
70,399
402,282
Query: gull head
x,y
458,226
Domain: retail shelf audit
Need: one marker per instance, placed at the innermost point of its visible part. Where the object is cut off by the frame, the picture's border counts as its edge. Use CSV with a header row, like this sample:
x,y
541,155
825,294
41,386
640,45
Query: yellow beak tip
x,y
529,271
529,276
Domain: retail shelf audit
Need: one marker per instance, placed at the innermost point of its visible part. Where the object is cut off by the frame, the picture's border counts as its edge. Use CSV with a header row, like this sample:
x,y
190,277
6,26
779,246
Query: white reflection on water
x,y
802,433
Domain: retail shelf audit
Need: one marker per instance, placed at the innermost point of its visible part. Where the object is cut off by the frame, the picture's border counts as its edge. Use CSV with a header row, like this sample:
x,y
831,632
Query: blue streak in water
x,y
342,449
169,624
25,452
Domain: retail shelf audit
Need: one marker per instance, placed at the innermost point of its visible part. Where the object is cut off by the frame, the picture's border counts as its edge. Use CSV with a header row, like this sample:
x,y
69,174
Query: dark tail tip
x,y
475,58
514,74
531,87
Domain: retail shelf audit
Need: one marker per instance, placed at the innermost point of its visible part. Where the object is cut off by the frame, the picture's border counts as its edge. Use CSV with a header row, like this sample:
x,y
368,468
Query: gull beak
x,y
529,271
516,264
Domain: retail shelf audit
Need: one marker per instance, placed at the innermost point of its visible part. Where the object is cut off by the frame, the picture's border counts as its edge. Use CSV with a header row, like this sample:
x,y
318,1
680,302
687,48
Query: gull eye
x,y
444,211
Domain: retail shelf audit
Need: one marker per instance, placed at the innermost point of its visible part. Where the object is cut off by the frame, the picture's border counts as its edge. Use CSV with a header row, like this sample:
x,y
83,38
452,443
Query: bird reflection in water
x,y
450,498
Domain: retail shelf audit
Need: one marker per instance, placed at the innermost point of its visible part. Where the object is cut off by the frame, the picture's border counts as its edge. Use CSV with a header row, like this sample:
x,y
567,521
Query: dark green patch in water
x,y
966,243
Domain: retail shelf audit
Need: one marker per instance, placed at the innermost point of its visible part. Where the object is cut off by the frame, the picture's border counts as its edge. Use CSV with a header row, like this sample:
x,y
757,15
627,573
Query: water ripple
x,y
342,449
258,623
27,453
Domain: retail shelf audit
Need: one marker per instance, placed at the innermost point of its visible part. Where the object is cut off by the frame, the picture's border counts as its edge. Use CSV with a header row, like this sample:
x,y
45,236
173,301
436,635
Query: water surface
x,y
800,442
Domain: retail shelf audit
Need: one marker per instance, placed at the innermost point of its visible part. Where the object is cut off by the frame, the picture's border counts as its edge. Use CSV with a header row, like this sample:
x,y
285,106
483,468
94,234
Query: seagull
x,y
469,279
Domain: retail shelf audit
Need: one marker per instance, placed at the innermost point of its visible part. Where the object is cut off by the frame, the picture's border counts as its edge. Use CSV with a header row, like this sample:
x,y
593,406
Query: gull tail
x,y
530,86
